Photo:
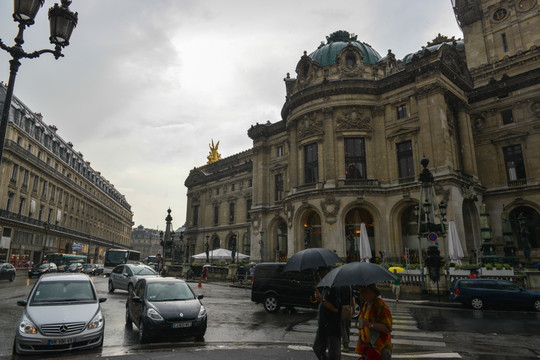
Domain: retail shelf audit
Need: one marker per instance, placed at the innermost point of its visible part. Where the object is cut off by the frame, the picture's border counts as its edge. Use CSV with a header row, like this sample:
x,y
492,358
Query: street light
x,y
46,227
261,245
62,22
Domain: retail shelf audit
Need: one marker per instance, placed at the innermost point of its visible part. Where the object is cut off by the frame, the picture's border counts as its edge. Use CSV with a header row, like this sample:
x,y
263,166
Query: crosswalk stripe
x,y
397,333
418,342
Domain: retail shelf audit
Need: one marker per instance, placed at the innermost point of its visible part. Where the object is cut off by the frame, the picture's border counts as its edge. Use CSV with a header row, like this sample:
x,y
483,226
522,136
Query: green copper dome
x,y
326,53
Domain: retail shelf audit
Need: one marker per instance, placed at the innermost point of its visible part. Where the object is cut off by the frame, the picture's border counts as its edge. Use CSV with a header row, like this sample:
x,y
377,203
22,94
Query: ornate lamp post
x,y
233,247
46,227
261,245
62,22
524,234
207,249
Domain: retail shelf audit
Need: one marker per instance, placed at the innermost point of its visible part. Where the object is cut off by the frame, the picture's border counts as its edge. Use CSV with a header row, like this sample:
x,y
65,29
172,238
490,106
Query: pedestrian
x,y
473,274
374,325
205,274
396,285
347,311
328,335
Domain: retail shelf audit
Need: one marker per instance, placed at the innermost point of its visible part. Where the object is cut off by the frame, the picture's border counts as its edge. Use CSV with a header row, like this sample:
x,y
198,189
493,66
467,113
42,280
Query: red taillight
x,y
457,292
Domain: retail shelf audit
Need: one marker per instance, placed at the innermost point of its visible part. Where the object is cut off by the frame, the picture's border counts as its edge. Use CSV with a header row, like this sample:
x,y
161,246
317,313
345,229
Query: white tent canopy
x,y
219,255
455,251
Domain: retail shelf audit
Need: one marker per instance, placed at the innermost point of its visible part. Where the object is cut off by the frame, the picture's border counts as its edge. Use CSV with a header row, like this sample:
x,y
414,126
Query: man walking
x,y
328,335
347,310
396,285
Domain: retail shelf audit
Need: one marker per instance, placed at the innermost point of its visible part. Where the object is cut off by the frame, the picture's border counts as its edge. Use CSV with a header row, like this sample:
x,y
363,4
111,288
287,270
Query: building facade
x,y
354,128
145,240
51,199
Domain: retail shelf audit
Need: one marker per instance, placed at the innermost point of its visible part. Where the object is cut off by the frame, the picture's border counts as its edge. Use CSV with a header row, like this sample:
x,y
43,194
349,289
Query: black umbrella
x,y
313,258
356,273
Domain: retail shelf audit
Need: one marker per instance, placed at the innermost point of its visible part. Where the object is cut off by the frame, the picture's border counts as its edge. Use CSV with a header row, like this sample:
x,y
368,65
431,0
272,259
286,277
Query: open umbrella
x,y
313,258
356,274
397,268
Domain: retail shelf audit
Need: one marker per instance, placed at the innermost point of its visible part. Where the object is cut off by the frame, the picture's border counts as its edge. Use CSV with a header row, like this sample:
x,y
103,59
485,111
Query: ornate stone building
x,y
354,128
146,241
51,199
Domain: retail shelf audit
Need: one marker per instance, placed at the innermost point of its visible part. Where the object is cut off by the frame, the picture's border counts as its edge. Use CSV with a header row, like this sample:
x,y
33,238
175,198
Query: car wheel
x,y
130,288
129,323
111,286
144,337
271,303
477,303
12,277
537,305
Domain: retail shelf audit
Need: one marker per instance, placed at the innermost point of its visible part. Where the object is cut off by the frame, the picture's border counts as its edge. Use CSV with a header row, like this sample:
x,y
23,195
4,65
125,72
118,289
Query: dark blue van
x,y
480,293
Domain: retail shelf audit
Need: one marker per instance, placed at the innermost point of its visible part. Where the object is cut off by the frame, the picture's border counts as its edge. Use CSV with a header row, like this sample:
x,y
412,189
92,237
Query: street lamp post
x,y
62,22
46,227
207,249
261,245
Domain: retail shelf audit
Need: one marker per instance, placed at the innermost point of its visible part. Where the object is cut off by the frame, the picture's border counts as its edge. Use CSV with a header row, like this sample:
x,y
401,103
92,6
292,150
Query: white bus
x,y
114,257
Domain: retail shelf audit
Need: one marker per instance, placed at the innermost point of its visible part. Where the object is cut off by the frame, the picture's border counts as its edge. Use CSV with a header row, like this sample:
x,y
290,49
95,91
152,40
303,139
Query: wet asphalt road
x,y
232,317
235,321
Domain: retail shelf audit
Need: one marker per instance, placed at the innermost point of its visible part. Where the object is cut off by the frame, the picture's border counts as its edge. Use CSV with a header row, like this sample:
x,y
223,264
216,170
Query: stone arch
x,y
215,242
373,228
531,225
277,239
308,232
404,230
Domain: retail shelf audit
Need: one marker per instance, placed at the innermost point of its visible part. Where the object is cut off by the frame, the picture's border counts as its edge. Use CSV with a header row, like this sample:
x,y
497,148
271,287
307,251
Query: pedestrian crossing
x,y
408,341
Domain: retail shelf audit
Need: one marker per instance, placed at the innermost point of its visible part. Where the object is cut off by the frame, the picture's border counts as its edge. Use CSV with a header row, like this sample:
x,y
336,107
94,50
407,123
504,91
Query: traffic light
x,y
433,263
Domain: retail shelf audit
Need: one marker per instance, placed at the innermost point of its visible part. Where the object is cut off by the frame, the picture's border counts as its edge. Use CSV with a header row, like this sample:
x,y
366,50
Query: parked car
x,y
7,271
274,288
152,259
124,277
41,269
62,313
90,269
479,293
165,305
75,267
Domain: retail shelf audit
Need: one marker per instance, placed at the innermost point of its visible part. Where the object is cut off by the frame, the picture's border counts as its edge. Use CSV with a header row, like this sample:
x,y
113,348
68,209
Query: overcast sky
x,y
146,84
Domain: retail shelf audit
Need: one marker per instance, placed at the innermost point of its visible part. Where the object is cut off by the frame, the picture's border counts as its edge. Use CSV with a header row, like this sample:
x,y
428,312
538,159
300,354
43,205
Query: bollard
x,y
200,283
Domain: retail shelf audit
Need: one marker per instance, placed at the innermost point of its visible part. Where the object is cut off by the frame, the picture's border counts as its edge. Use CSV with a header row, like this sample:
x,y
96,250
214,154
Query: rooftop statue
x,y
214,155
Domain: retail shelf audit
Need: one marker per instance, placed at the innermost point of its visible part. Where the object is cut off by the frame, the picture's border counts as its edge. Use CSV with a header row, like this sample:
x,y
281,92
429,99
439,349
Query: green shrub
x,y
499,266
452,265
507,266
489,266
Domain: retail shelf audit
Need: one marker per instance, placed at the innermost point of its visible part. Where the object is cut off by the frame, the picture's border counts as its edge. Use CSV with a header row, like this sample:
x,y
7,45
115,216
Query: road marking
x,y
418,342
394,356
416,334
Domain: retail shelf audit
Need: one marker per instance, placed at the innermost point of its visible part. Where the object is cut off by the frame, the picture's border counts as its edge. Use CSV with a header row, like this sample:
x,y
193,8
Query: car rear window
x,y
268,272
48,292
478,284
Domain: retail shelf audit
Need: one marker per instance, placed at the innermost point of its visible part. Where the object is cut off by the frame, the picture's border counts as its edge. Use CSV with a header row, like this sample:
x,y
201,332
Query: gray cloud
x,y
145,85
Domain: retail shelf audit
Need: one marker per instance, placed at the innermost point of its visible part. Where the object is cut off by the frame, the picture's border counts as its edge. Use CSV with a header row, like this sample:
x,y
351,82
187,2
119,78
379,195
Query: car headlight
x,y
27,327
154,315
96,323
202,313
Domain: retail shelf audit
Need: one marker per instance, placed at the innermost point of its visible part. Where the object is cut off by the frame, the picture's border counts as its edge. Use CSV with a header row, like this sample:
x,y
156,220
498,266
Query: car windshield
x,y
49,292
44,266
169,291
73,266
143,270
89,266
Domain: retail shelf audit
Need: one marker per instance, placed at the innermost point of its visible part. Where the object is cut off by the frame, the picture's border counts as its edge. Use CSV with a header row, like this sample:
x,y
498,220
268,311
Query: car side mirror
x,y
102,300
22,302
136,300
200,297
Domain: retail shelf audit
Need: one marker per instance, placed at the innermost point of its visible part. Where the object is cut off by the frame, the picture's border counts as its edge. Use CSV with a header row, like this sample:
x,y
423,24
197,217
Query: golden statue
x,y
214,155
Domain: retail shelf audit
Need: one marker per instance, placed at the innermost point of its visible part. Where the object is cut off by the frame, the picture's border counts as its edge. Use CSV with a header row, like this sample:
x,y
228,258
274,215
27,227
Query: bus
x,y
65,259
114,257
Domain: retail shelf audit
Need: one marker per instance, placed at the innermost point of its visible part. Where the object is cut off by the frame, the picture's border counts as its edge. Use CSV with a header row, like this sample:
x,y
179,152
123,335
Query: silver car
x,y
124,277
62,313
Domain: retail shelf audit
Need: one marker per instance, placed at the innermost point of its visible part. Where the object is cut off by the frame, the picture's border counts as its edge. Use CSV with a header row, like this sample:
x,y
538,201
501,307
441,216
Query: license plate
x,y
181,325
61,341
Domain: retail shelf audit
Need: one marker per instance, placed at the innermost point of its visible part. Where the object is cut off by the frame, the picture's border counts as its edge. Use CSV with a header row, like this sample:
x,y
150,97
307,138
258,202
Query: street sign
x,y
432,237
77,246
436,243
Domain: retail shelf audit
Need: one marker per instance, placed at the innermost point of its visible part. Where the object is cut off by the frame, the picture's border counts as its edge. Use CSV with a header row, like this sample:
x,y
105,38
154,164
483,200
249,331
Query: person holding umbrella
x,y
374,325
375,319
328,335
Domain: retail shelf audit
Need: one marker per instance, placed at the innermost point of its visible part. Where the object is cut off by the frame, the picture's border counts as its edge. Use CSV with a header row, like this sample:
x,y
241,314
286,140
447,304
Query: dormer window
x,y
350,60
